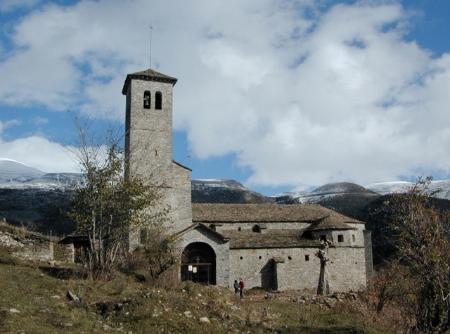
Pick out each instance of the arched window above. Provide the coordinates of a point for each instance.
(147, 99)
(158, 100)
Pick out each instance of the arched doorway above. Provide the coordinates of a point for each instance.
(198, 263)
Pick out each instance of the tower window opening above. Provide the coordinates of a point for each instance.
(147, 99)
(158, 100)
(353, 238)
(143, 238)
(256, 229)
(340, 238)
(306, 257)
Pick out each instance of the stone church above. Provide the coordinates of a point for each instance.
(267, 245)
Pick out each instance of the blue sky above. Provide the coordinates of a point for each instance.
(279, 95)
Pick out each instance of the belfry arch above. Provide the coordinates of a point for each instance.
(198, 263)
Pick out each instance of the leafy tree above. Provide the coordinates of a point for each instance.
(108, 206)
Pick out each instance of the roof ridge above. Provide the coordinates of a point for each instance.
(147, 75)
(267, 212)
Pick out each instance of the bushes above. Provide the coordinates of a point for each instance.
(7, 258)
(418, 280)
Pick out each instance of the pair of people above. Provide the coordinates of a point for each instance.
(239, 287)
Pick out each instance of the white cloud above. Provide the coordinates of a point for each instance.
(9, 5)
(40, 153)
(40, 120)
(302, 99)
(8, 124)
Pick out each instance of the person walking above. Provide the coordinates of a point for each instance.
(241, 288)
(236, 287)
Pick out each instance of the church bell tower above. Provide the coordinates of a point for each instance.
(148, 143)
(148, 125)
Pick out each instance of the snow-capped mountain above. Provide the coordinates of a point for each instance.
(200, 184)
(323, 193)
(224, 191)
(13, 171)
(438, 188)
(29, 197)
(16, 175)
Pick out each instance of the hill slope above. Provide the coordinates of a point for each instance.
(33, 299)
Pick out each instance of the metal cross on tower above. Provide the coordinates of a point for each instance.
(151, 32)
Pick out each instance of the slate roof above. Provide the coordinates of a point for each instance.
(216, 234)
(328, 223)
(275, 238)
(148, 75)
(233, 213)
(181, 165)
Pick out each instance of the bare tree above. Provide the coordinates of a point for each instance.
(391, 284)
(323, 287)
(422, 239)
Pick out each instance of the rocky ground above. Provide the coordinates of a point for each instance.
(40, 298)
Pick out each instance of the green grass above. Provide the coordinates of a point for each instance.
(123, 305)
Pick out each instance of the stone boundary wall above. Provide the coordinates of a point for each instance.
(64, 252)
(25, 244)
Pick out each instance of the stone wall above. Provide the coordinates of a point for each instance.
(368, 253)
(349, 237)
(346, 268)
(25, 244)
(292, 270)
(180, 199)
(150, 130)
(269, 225)
(64, 252)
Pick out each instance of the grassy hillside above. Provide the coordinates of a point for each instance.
(33, 300)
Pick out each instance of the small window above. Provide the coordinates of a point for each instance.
(340, 238)
(323, 237)
(256, 229)
(289, 258)
(158, 100)
(353, 238)
(147, 99)
(306, 257)
(143, 236)
(241, 257)
(260, 257)
(239, 228)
